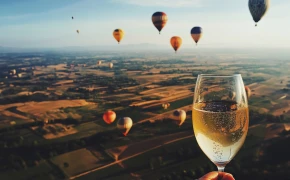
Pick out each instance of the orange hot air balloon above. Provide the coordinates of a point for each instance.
(176, 42)
(248, 91)
(109, 116)
(118, 34)
(124, 125)
(159, 20)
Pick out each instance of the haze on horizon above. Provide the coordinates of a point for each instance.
(226, 23)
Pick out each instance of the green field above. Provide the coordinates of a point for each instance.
(43, 171)
(77, 162)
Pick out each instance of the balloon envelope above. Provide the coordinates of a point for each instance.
(258, 8)
(180, 116)
(196, 33)
(124, 125)
(109, 116)
(248, 91)
(159, 19)
(176, 42)
(118, 34)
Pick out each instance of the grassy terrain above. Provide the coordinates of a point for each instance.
(77, 162)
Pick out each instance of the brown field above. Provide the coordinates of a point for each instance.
(115, 152)
(54, 131)
(151, 143)
(167, 94)
(64, 82)
(155, 78)
(274, 130)
(39, 108)
(283, 109)
(11, 114)
(58, 67)
(79, 161)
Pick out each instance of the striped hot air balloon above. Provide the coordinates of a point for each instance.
(175, 42)
(118, 34)
(258, 9)
(159, 20)
(196, 33)
(124, 125)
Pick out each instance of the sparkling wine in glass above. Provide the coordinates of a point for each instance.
(220, 116)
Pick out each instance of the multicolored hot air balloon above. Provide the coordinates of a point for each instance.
(118, 34)
(159, 20)
(196, 33)
(111, 65)
(179, 116)
(248, 91)
(175, 42)
(109, 116)
(124, 125)
(258, 9)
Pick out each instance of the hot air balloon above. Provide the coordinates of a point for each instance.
(13, 71)
(248, 91)
(258, 9)
(159, 20)
(232, 95)
(111, 65)
(109, 116)
(72, 17)
(99, 62)
(78, 31)
(118, 34)
(165, 106)
(179, 116)
(196, 34)
(124, 125)
(176, 42)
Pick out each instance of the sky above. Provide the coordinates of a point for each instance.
(225, 23)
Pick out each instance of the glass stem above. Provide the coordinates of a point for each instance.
(221, 168)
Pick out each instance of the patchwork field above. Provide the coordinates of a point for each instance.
(76, 162)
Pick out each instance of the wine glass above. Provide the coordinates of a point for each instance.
(220, 116)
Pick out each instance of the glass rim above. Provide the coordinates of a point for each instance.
(219, 75)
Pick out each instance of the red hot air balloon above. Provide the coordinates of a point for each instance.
(159, 20)
(109, 116)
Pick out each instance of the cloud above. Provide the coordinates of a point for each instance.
(164, 3)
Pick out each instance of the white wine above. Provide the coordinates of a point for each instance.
(220, 128)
